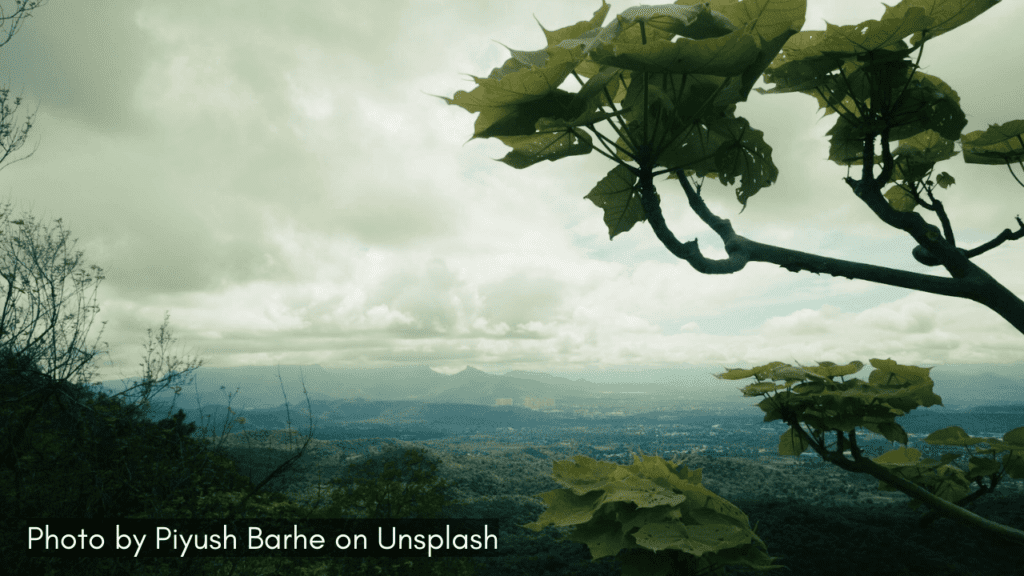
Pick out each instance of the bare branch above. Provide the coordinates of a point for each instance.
(1003, 237)
(11, 139)
(22, 10)
(51, 328)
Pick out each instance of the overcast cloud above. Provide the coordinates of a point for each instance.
(277, 177)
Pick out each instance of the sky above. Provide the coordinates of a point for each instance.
(283, 184)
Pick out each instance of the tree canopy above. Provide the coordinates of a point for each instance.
(667, 80)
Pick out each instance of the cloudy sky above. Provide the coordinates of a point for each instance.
(279, 179)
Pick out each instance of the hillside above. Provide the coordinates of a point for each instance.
(806, 515)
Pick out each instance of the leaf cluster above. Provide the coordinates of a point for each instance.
(811, 396)
(669, 76)
(655, 516)
(869, 76)
(667, 79)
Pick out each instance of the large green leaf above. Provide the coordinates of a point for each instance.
(943, 15)
(744, 154)
(676, 70)
(771, 23)
(873, 35)
(928, 104)
(515, 96)
(524, 90)
(808, 59)
(528, 150)
(846, 143)
(900, 199)
(608, 79)
(807, 62)
(577, 29)
(664, 22)
(728, 55)
(998, 144)
(727, 148)
(800, 66)
(929, 108)
(928, 147)
(917, 155)
(616, 195)
(694, 151)
(812, 54)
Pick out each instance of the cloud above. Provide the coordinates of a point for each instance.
(284, 184)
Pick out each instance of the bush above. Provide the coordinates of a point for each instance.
(71, 452)
(396, 483)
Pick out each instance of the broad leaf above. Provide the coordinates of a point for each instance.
(846, 145)
(952, 436)
(736, 150)
(830, 370)
(724, 56)
(928, 104)
(874, 54)
(945, 180)
(771, 23)
(943, 15)
(998, 144)
(577, 29)
(610, 80)
(694, 152)
(528, 150)
(677, 72)
(916, 156)
(791, 443)
(515, 96)
(800, 66)
(616, 195)
(873, 35)
(900, 199)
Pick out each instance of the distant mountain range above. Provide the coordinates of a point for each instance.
(260, 386)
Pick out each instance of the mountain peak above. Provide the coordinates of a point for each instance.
(470, 371)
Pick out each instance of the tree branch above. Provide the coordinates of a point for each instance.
(14, 20)
(939, 209)
(862, 465)
(742, 250)
(1005, 235)
(925, 234)
(690, 251)
(977, 285)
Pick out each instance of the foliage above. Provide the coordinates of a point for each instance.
(72, 452)
(39, 319)
(678, 97)
(656, 518)
(69, 450)
(667, 80)
(809, 395)
(396, 483)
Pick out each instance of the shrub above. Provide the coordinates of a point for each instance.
(68, 451)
